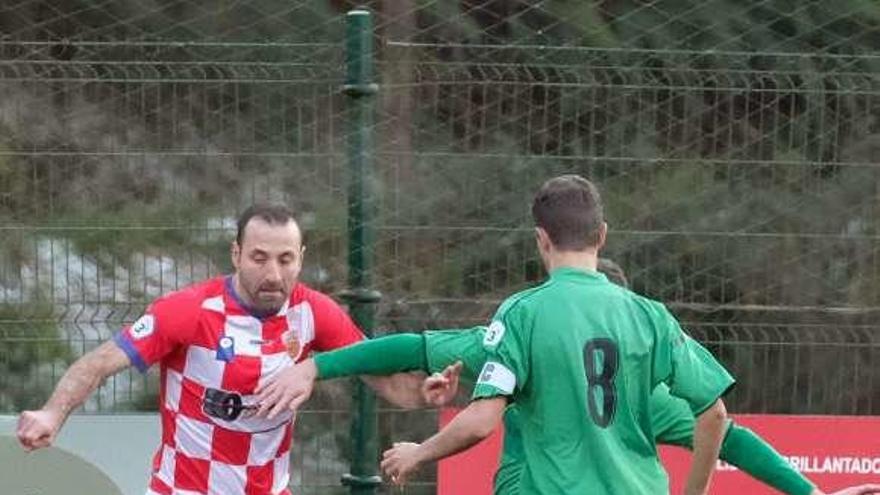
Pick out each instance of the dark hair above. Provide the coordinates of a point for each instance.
(569, 209)
(273, 214)
(613, 271)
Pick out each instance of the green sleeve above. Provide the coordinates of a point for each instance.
(507, 365)
(691, 372)
(747, 451)
(382, 356)
(672, 420)
(443, 348)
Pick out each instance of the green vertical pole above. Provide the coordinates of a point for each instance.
(360, 91)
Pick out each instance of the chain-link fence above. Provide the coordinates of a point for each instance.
(743, 197)
(734, 142)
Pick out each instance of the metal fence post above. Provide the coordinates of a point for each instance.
(360, 91)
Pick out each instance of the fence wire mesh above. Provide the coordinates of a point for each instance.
(735, 143)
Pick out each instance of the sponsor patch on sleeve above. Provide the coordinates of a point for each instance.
(498, 376)
(143, 327)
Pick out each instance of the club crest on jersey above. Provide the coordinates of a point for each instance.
(143, 327)
(226, 349)
(291, 343)
(494, 334)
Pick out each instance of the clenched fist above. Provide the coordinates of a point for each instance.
(37, 429)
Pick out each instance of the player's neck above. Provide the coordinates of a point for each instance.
(582, 260)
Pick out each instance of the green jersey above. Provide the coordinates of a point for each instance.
(579, 357)
(444, 347)
(671, 418)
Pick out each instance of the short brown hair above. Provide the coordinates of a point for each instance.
(569, 209)
(273, 214)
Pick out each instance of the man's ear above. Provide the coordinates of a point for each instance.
(603, 234)
(543, 240)
(235, 254)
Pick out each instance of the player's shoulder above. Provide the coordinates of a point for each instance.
(654, 313)
(191, 298)
(651, 307)
(643, 303)
(523, 299)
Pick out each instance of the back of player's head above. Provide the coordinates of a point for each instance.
(271, 213)
(570, 210)
(613, 271)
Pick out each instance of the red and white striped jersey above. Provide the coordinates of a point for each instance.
(213, 353)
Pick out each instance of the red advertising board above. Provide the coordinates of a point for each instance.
(832, 451)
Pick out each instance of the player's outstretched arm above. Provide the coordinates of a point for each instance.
(750, 453)
(400, 352)
(474, 423)
(416, 390)
(37, 429)
(401, 389)
(708, 435)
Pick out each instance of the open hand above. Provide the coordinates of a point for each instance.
(400, 461)
(287, 390)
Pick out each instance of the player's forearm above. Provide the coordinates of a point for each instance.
(401, 389)
(381, 356)
(750, 453)
(469, 427)
(708, 435)
(83, 378)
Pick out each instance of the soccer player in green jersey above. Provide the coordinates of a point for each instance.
(437, 351)
(579, 356)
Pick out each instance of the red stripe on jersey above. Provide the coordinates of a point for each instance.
(169, 429)
(157, 460)
(159, 487)
(286, 440)
(273, 328)
(259, 479)
(230, 447)
(176, 360)
(273, 347)
(191, 474)
(242, 374)
(191, 400)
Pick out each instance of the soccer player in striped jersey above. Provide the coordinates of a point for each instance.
(215, 342)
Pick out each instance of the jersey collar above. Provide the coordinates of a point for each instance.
(577, 274)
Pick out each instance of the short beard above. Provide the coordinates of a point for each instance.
(267, 308)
